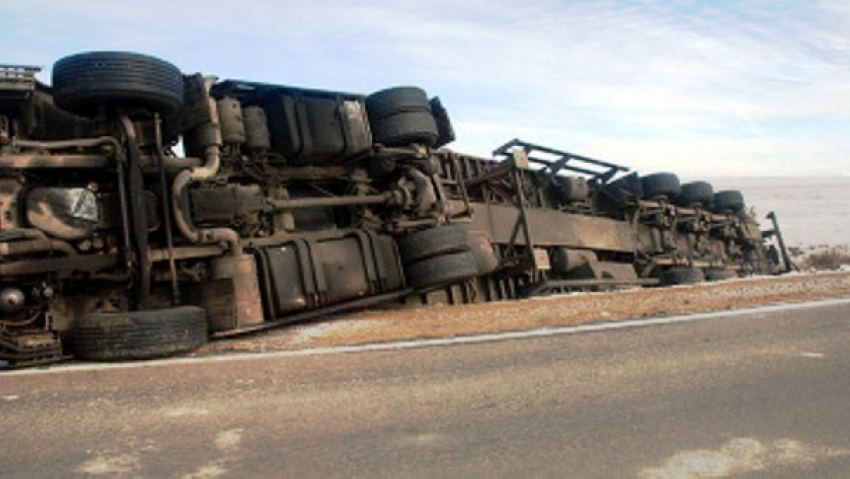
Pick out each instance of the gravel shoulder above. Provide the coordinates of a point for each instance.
(405, 323)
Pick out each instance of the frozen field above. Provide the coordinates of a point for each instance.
(811, 211)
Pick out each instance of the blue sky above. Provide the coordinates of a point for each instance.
(711, 88)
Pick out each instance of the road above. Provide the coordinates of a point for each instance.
(764, 394)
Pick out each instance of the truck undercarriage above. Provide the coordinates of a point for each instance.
(289, 203)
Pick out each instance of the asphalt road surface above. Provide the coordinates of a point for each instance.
(766, 394)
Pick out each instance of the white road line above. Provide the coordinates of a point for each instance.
(459, 340)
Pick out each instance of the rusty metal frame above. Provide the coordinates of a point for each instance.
(515, 160)
(596, 170)
(512, 171)
(516, 152)
(17, 81)
(783, 250)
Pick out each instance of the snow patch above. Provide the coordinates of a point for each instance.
(110, 466)
(207, 472)
(229, 440)
(187, 411)
(739, 456)
(305, 333)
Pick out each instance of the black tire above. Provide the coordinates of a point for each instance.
(444, 123)
(729, 200)
(660, 185)
(432, 242)
(682, 275)
(719, 274)
(442, 270)
(85, 82)
(391, 101)
(405, 128)
(623, 191)
(139, 334)
(696, 193)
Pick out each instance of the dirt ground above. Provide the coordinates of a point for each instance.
(580, 308)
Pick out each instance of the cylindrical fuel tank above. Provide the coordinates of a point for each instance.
(232, 121)
(241, 270)
(256, 129)
(565, 260)
(199, 139)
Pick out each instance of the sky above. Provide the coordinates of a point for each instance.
(702, 88)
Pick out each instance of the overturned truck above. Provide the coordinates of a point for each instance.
(292, 203)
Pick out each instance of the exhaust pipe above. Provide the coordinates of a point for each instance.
(37, 242)
(212, 163)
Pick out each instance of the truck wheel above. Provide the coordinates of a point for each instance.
(433, 242)
(84, 82)
(696, 193)
(405, 128)
(442, 270)
(728, 200)
(400, 116)
(396, 100)
(139, 334)
(681, 275)
(624, 190)
(660, 184)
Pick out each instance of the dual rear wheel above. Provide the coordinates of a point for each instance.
(695, 193)
(400, 116)
(437, 256)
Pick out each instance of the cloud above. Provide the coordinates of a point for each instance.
(727, 79)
